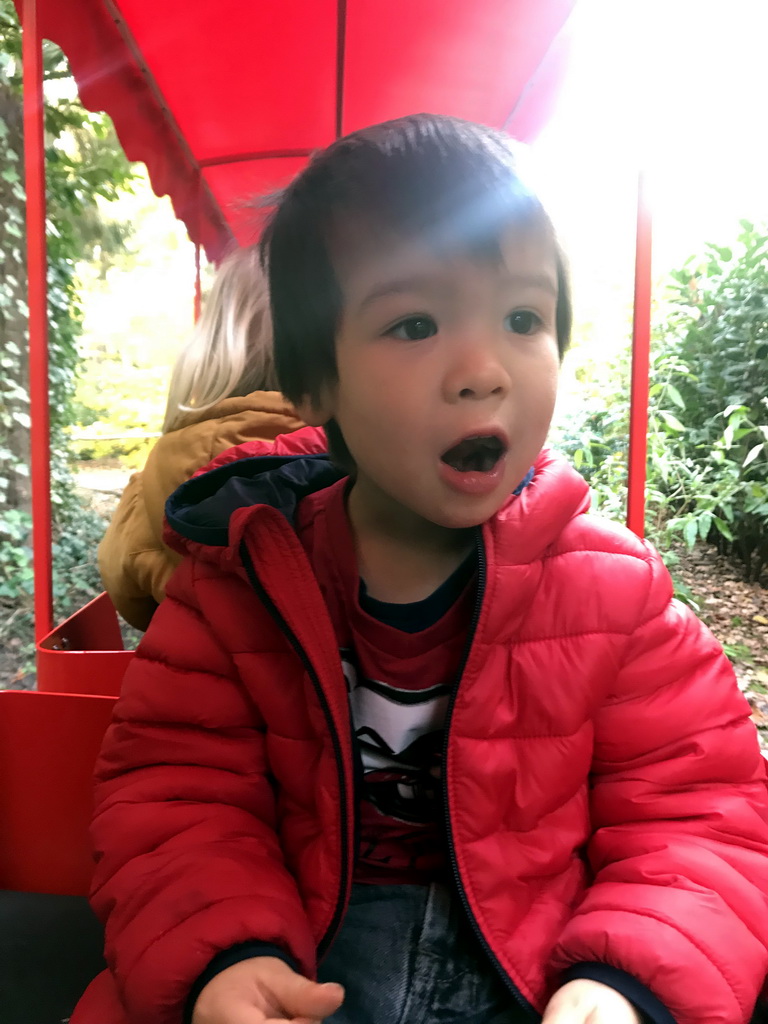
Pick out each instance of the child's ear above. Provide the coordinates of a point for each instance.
(315, 410)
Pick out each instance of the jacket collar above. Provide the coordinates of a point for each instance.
(202, 508)
(209, 513)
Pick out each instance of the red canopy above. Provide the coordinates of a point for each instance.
(224, 99)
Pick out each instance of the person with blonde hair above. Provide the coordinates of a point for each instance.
(222, 393)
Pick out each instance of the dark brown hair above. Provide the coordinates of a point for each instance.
(454, 182)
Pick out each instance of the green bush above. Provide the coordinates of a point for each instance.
(77, 531)
(708, 411)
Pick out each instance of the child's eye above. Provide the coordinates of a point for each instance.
(522, 321)
(414, 328)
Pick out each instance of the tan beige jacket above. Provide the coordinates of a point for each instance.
(134, 563)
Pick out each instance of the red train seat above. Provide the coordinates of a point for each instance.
(48, 746)
(85, 653)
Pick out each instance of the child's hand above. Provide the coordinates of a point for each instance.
(588, 1002)
(264, 988)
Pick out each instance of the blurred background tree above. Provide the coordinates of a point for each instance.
(708, 415)
(84, 165)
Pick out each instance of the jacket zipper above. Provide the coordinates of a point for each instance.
(295, 643)
(481, 582)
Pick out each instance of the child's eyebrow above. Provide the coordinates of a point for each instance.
(541, 281)
(406, 284)
(426, 283)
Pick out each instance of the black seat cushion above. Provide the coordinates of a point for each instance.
(50, 950)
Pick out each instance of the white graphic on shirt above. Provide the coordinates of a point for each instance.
(400, 737)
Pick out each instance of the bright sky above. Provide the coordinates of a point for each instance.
(681, 85)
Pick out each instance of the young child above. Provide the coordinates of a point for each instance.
(222, 393)
(410, 714)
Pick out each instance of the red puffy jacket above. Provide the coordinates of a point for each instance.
(605, 791)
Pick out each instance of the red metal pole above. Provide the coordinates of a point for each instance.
(37, 265)
(641, 349)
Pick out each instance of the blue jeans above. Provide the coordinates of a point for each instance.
(407, 955)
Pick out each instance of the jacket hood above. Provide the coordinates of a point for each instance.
(200, 513)
(270, 403)
(201, 509)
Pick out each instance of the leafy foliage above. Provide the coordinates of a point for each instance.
(75, 571)
(708, 412)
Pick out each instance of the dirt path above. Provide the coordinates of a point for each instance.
(737, 613)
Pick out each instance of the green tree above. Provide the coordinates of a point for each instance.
(84, 163)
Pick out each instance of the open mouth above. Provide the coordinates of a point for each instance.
(475, 454)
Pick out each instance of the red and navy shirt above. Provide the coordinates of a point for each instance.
(400, 663)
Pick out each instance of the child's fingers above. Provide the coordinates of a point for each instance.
(284, 1020)
(265, 990)
(302, 998)
(589, 1002)
(562, 1015)
(244, 1014)
(572, 1015)
(561, 1010)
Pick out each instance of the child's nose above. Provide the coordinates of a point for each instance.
(476, 374)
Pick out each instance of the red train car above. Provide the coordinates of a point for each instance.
(220, 99)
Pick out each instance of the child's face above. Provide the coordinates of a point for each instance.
(437, 351)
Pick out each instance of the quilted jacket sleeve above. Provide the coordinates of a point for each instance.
(680, 837)
(134, 565)
(188, 860)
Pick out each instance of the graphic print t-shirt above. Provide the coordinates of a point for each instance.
(399, 684)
